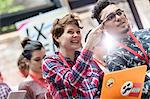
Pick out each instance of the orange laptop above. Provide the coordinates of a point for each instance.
(124, 84)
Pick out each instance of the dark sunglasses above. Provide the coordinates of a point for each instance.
(112, 16)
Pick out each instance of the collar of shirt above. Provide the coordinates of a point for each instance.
(69, 61)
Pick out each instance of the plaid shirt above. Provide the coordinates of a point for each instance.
(4, 91)
(121, 58)
(83, 76)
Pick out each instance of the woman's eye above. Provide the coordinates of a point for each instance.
(37, 60)
(78, 32)
(70, 32)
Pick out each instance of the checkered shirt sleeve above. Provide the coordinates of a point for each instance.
(4, 90)
(63, 80)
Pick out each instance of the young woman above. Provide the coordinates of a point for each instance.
(36, 86)
(72, 74)
(22, 66)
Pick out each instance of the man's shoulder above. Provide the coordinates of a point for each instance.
(142, 32)
(4, 85)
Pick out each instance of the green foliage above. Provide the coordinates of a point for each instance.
(7, 6)
(6, 29)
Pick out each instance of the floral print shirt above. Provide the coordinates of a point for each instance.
(120, 58)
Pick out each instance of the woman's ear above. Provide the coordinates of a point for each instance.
(56, 38)
(27, 62)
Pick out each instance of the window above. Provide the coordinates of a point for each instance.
(12, 11)
(80, 3)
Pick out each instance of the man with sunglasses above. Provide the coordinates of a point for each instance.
(131, 49)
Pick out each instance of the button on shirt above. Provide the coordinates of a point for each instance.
(83, 76)
(120, 58)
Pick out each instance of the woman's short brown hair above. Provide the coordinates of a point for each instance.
(59, 24)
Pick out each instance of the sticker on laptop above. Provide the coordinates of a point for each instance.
(126, 88)
(110, 82)
(131, 89)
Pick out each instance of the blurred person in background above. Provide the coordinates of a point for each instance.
(131, 48)
(22, 66)
(1, 78)
(72, 74)
(34, 84)
(4, 88)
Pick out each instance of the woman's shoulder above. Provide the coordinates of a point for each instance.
(28, 82)
(54, 56)
(51, 58)
(28, 86)
(24, 84)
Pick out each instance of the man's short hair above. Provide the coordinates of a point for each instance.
(100, 5)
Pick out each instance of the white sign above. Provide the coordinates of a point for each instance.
(38, 28)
